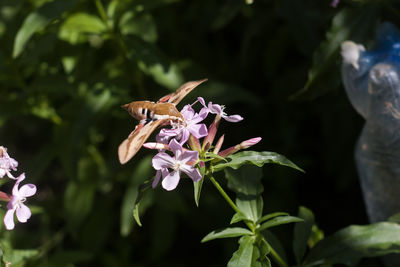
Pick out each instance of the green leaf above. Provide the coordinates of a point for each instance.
(349, 245)
(37, 21)
(356, 24)
(237, 217)
(226, 233)
(244, 255)
(246, 183)
(395, 218)
(271, 215)
(197, 186)
(142, 25)
(254, 158)
(278, 221)
(142, 171)
(142, 189)
(152, 62)
(275, 243)
(78, 201)
(16, 256)
(76, 27)
(302, 232)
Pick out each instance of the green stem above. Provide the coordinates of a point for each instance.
(251, 226)
(102, 12)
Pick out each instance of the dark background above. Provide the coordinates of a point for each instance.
(63, 123)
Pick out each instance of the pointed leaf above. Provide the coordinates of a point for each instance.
(237, 217)
(37, 21)
(355, 24)
(302, 232)
(76, 27)
(278, 221)
(246, 183)
(349, 245)
(243, 257)
(255, 158)
(142, 189)
(197, 186)
(226, 233)
(271, 215)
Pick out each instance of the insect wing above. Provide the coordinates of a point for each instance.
(182, 91)
(131, 145)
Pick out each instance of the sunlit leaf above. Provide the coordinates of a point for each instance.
(246, 183)
(254, 158)
(278, 221)
(244, 255)
(226, 233)
(77, 27)
(37, 21)
(271, 215)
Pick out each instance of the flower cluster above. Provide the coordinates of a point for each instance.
(183, 140)
(19, 194)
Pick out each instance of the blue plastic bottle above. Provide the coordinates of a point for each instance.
(372, 82)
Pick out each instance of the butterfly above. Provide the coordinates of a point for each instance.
(150, 116)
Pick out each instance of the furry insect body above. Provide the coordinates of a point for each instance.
(152, 115)
(149, 111)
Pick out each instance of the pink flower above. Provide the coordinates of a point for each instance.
(182, 161)
(16, 204)
(219, 110)
(7, 163)
(243, 145)
(334, 3)
(191, 126)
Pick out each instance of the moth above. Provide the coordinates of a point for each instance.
(150, 116)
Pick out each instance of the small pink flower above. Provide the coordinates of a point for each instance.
(7, 163)
(191, 126)
(182, 161)
(16, 204)
(219, 110)
(243, 145)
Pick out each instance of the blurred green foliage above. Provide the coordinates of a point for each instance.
(66, 67)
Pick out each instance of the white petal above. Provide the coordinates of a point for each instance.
(27, 190)
(23, 213)
(9, 219)
(170, 182)
(156, 179)
(162, 160)
(233, 118)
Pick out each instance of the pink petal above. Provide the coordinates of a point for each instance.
(156, 179)
(23, 213)
(198, 130)
(201, 100)
(170, 182)
(27, 190)
(233, 118)
(19, 180)
(184, 136)
(9, 219)
(162, 160)
(192, 172)
(215, 108)
(189, 156)
(176, 147)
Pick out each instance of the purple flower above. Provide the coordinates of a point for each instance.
(182, 161)
(219, 110)
(7, 163)
(16, 204)
(190, 126)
